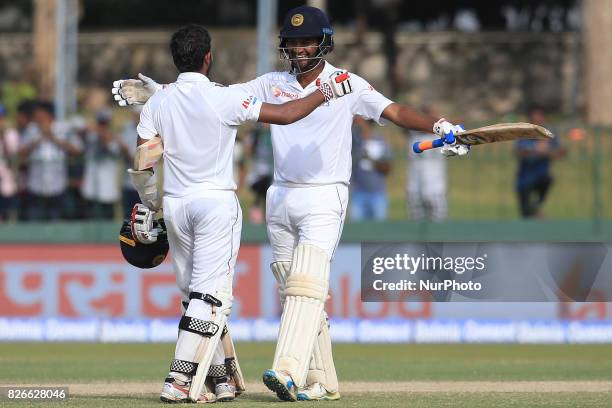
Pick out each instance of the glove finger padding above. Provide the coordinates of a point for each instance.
(142, 224)
(134, 91)
(337, 86)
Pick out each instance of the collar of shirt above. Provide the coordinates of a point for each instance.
(325, 73)
(192, 77)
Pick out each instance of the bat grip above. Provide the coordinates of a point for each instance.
(420, 147)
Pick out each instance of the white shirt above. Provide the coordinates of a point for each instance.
(197, 121)
(100, 181)
(47, 171)
(316, 149)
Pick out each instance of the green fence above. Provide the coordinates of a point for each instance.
(474, 230)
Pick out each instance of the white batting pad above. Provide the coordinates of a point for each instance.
(281, 271)
(207, 348)
(306, 292)
(322, 369)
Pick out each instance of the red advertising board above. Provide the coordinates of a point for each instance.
(94, 280)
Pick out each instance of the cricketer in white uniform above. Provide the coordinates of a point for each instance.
(197, 120)
(306, 205)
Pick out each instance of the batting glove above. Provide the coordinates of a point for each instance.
(134, 91)
(142, 225)
(446, 130)
(338, 85)
(454, 148)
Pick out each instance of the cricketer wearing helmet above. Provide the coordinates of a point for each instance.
(306, 205)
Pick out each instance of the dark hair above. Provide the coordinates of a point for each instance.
(46, 106)
(26, 107)
(189, 45)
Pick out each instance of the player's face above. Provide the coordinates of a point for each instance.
(301, 50)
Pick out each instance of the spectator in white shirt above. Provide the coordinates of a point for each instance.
(101, 181)
(44, 147)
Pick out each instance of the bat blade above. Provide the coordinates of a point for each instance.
(503, 132)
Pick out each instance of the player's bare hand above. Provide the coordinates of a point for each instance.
(338, 85)
(142, 224)
(134, 91)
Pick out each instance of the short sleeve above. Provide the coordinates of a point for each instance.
(368, 102)
(256, 87)
(146, 126)
(236, 107)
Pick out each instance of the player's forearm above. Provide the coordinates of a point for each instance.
(291, 111)
(406, 117)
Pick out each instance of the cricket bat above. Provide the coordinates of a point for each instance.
(501, 132)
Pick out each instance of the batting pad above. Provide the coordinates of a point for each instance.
(208, 346)
(322, 369)
(281, 270)
(231, 361)
(306, 292)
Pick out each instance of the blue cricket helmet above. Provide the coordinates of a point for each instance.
(308, 22)
(305, 22)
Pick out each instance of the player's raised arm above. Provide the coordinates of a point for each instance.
(409, 118)
(338, 85)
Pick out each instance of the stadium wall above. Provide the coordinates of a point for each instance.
(493, 73)
(83, 291)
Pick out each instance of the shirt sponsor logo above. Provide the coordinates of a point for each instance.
(248, 101)
(280, 93)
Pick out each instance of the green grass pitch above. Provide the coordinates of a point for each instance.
(103, 365)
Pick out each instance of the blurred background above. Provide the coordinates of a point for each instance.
(64, 148)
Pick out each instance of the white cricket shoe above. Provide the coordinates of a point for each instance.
(225, 392)
(316, 392)
(281, 383)
(177, 390)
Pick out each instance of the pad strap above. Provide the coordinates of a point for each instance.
(221, 370)
(198, 326)
(208, 298)
(182, 366)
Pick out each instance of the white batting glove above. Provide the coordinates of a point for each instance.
(142, 225)
(455, 148)
(134, 91)
(444, 128)
(338, 85)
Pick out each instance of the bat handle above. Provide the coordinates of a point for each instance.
(420, 147)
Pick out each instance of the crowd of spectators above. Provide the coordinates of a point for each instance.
(75, 169)
(63, 170)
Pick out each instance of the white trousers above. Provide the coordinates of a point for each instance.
(204, 236)
(305, 215)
